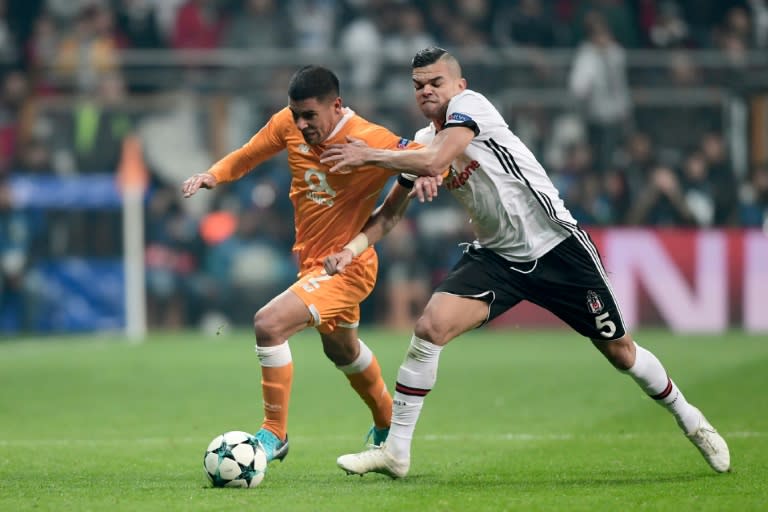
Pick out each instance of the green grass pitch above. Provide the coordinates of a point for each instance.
(518, 420)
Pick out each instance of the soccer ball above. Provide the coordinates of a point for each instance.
(235, 459)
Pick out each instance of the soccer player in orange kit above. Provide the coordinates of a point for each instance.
(329, 210)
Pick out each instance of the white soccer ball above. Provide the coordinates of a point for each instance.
(235, 459)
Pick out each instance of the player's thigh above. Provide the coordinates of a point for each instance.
(446, 316)
(475, 291)
(571, 282)
(281, 317)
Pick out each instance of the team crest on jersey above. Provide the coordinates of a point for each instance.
(457, 116)
(594, 302)
(403, 143)
(304, 148)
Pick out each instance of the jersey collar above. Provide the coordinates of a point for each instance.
(348, 114)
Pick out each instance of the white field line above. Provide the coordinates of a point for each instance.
(508, 437)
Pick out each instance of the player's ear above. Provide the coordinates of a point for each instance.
(462, 83)
(338, 104)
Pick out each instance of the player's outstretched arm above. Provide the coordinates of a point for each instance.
(431, 160)
(198, 181)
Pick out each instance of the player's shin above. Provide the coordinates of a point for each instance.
(276, 380)
(415, 379)
(364, 375)
(651, 376)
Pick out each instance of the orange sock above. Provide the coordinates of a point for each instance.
(276, 390)
(371, 387)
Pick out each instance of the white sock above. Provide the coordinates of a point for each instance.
(415, 379)
(279, 355)
(362, 362)
(651, 376)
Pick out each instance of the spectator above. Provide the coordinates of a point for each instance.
(579, 187)
(524, 24)
(18, 231)
(698, 189)
(682, 70)
(661, 201)
(93, 132)
(759, 10)
(636, 158)
(439, 18)
(616, 197)
(13, 95)
(90, 52)
(170, 260)
(360, 41)
(669, 29)
(314, 24)
(722, 179)
(405, 37)
(9, 48)
(199, 25)
(408, 37)
(737, 23)
(137, 22)
(598, 80)
(754, 203)
(12, 262)
(41, 52)
(617, 16)
(477, 13)
(260, 26)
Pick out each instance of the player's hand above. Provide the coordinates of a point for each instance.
(425, 187)
(337, 262)
(345, 156)
(196, 182)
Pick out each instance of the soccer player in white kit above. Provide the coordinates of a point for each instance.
(527, 247)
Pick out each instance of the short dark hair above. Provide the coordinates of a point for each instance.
(428, 56)
(313, 82)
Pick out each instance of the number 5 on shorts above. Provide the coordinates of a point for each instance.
(602, 323)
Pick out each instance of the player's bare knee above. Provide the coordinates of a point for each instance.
(267, 329)
(428, 329)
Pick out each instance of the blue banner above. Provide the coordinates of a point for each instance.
(68, 295)
(81, 192)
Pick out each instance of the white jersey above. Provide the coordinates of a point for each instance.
(514, 208)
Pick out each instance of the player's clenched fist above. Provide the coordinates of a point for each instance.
(196, 182)
(337, 262)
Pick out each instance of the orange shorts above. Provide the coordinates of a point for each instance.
(334, 301)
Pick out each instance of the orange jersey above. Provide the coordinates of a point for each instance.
(329, 209)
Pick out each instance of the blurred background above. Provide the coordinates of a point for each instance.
(651, 117)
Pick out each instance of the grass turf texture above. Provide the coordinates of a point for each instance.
(518, 421)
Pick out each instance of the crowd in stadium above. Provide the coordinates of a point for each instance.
(613, 164)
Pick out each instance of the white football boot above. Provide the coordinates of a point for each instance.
(374, 460)
(711, 445)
